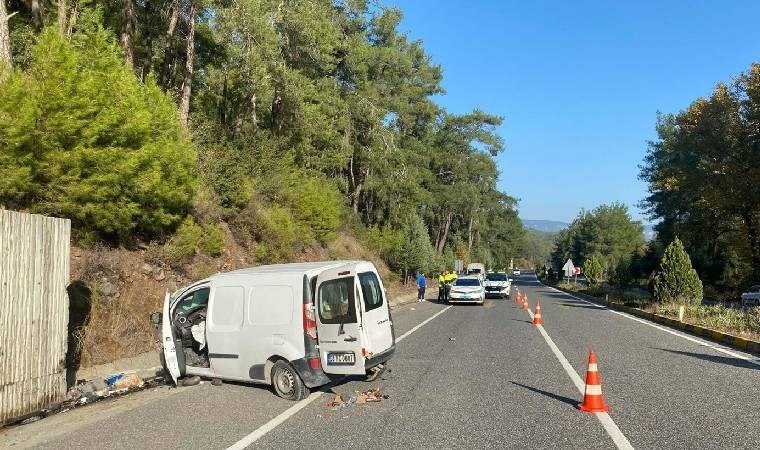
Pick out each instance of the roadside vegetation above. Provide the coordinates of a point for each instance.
(186, 138)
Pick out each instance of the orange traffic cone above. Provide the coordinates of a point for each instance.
(537, 320)
(525, 303)
(518, 298)
(593, 401)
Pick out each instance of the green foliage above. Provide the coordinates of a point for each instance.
(608, 231)
(81, 138)
(191, 239)
(416, 252)
(277, 234)
(593, 270)
(702, 173)
(676, 280)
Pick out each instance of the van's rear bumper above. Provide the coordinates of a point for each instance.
(380, 358)
(311, 377)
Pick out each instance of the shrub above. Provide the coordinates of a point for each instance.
(82, 138)
(317, 205)
(191, 239)
(592, 270)
(676, 280)
(277, 235)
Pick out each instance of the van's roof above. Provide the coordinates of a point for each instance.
(303, 267)
(292, 271)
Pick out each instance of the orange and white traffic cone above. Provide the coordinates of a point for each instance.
(518, 298)
(593, 401)
(537, 320)
(525, 303)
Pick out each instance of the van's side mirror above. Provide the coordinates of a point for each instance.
(156, 318)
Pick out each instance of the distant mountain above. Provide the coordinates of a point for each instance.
(547, 226)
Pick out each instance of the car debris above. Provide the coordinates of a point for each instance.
(358, 398)
(86, 392)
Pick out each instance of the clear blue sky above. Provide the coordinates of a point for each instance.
(579, 83)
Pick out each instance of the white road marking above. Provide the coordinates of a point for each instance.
(669, 331)
(609, 425)
(290, 412)
(403, 336)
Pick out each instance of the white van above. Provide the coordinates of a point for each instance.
(477, 269)
(294, 326)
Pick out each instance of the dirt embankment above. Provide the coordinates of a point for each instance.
(114, 291)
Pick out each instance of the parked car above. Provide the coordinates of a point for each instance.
(497, 284)
(476, 269)
(516, 272)
(752, 296)
(467, 289)
(294, 326)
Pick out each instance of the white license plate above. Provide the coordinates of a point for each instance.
(341, 359)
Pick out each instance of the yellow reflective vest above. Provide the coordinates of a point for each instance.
(448, 279)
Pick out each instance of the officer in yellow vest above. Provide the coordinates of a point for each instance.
(442, 286)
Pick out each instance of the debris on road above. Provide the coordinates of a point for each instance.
(191, 381)
(358, 398)
(452, 339)
(216, 382)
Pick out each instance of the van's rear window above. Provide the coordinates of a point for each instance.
(371, 291)
(336, 301)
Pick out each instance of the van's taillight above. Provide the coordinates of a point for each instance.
(309, 321)
(315, 363)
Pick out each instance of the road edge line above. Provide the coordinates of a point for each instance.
(695, 340)
(290, 412)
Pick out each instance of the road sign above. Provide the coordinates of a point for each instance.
(569, 268)
(458, 266)
(577, 271)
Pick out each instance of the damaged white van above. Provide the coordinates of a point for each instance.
(294, 326)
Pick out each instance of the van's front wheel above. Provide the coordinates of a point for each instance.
(287, 383)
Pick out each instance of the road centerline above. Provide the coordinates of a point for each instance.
(608, 424)
(293, 410)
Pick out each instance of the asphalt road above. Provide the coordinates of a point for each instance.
(471, 377)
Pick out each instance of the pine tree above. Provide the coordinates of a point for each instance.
(592, 270)
(677, 281)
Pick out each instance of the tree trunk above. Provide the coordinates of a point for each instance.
(470, 237)
(34, 6)
(63, 12)
(166, 63)
(254, 117)
(6, 58)
(753, 236)
(277, 112)
(443, 234)
(128, 30)
(184, 104)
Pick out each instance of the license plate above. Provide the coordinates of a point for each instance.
(341, 359)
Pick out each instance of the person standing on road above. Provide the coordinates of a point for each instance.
(421, 285)
(442, 285)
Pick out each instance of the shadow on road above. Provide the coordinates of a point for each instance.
(523, 321)
(736, 362)
(568, 400)
(576, 305)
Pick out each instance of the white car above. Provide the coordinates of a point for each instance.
(751, 297)
(497, 284)
(467, 289)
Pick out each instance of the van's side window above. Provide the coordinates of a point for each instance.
(336, 301)
(371, 290)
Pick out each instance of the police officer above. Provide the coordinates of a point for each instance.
(442, 286)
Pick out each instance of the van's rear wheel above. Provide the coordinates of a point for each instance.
(287, 383)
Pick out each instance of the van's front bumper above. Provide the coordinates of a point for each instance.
(380, 358)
